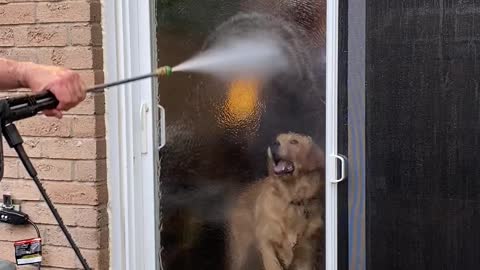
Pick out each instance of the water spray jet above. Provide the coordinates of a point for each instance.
(256, 56)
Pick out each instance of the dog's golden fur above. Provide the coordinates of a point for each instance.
(280, 218)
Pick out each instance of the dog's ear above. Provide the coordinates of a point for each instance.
(315, 159)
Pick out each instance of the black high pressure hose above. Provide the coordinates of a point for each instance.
(14, 109)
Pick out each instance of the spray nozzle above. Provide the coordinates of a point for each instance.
(164, 71)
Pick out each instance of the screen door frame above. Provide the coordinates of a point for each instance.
(132, 140)
(336, 162)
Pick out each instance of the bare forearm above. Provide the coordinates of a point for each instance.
(65, 84)
(11, 74)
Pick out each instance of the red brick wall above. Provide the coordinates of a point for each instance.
(68, 153)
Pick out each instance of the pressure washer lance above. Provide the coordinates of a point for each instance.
(18, 108)
(162, 71)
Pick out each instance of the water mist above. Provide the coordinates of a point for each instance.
(255, 56)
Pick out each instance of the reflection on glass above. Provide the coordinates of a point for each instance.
(242, 98)
(220, 132)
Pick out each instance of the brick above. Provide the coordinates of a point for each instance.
(93, 104)
(31, 146)
(72, 57)
(20, 54)
(13, 233)
(7, 37)
(6, 251)
(41, 35)
(19, 1)
(91, 77)
(25, 55)
(71, 11)
(67, 193)
(73, 148)
(90, 170)
(67, 258)
(20, 189)
(50, 169)
(76, 193)
(96, 11)
(72, 215)
(92, 238)
(86, 34)
(11, 167)
(102, 193)
(17, 13)
(88, 126)
(45, 126)
(31, 267)
(5, 53)
(61, 148)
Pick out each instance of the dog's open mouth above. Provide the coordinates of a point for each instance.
(280, 166)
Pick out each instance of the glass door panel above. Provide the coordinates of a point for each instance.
(218, 133)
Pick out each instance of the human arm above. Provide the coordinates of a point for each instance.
(65, 84)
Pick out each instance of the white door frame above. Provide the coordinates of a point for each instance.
(331, 152)
(131, 135)
(130, 114)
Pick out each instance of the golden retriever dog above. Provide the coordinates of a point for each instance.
(280, 218)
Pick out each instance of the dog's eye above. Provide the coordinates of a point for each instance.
(293, 141)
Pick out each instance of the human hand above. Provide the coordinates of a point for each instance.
(66, 85)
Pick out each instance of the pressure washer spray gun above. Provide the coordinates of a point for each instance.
(18, 108)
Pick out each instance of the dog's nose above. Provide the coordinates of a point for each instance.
(275, 147)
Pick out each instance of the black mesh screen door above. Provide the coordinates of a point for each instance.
(414, 118)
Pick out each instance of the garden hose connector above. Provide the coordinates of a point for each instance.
(164, 71)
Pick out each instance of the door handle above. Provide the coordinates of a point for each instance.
(163, 138)
(343, 164)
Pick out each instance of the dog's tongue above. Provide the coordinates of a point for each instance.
(283, 167)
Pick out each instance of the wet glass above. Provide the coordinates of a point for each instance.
(218, 131)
